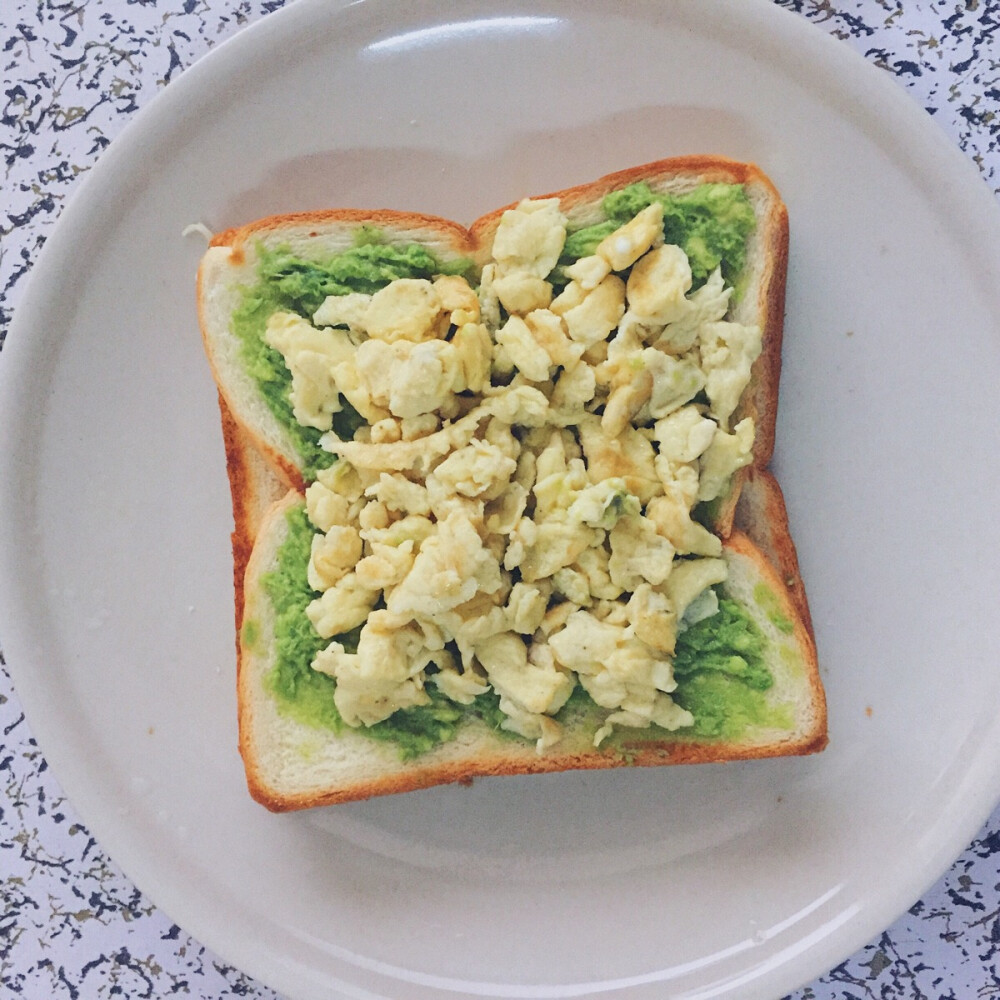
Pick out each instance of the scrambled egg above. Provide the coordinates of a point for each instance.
(517, 516)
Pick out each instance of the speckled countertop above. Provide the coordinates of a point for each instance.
(73, 72)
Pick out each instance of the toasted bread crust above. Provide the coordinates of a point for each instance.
(311, 224)
(254, 489)
(260, 473)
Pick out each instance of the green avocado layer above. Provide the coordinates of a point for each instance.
(307, 695)
(710, 224)
(719, 665)
(722, 675)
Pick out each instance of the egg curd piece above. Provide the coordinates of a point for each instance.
(410, 379)
(473, 349)
(405, 309)
(728, 350)
(451, 567)
(589, 272)
(726, 454)
(556, 544)
(342, 607)
(524, 352)
(456, 296)
(421, 382)
(480, 469)
(526, 606)
(639, 553)
(384, 675)
(344, 310)
(707, 304)
(672, 518)
(530, 689)
(530, 238)
(597, 313)
(622, 248)
(462, 687)
(658, 283)
(324, 507)
(520, 292)
(386, 566)
(549, 333)
(629, 456)
(690, 578)
(602, 504)
(333, 556)
(418, 454)
(684, 435)
(400, 494)
(674, 381)
(652, 619)
(311, 356)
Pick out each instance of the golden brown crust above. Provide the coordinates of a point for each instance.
(241, 491)
(767, 369)
(253, 487)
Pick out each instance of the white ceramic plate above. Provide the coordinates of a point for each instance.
(733, 881)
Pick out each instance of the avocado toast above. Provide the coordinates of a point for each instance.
(524, 520)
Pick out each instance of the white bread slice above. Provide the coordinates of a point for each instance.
(230, 265)
(290, 765)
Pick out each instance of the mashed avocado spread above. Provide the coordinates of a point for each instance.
(710, 224)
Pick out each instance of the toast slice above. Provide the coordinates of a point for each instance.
(292, 765)
(229, 270)
(298, 759)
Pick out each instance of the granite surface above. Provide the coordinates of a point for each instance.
(73, 72)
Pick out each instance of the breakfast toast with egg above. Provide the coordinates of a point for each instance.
(230, 270)
(291, 764)
(735, 662)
